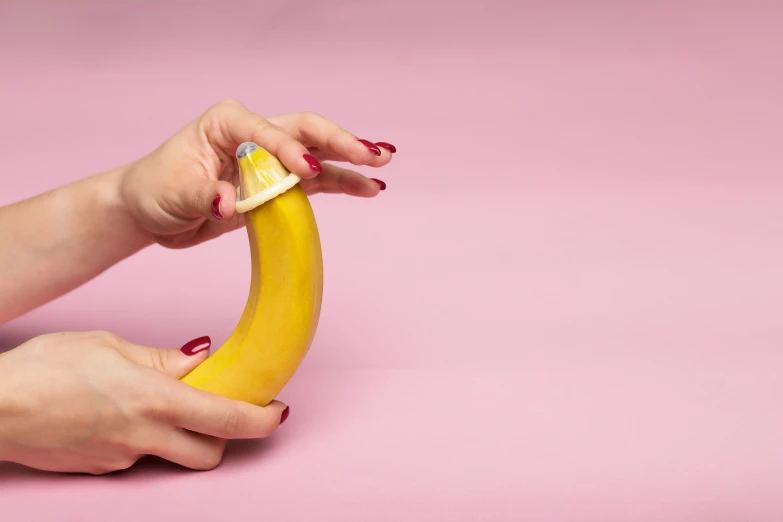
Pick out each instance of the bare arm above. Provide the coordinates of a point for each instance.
(54, 242)
(179, 195)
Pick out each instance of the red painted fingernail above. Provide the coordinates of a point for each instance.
(284, 415)
(314, 163)
(388, 146)
(197, 345)
(370, 145)
(380, 183)
(216, 207)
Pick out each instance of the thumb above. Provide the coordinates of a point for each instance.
(175, 363)
(208, 198)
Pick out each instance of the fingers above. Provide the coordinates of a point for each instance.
(188, 449)
(174, 363)
(337, 180)
(301, 141)
(192, 409)
(210, 199)
(236, 124)
(332, 142)
(218, 416)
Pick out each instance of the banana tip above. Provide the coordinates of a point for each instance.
(245, 149)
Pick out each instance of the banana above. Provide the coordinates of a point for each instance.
(281, 314)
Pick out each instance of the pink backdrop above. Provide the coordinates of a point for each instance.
(567, 305)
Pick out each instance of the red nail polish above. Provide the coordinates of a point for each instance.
(314, 163)
(388, 146)
(197, 345)
(216, 207)
(380, 183)
(370, 145)
(284, 415)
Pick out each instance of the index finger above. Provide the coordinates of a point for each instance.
(230, 124)
(218, 416)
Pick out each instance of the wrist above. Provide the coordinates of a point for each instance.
(113, 203)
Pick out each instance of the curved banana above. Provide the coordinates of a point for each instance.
(281, 315)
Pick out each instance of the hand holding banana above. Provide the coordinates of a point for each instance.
(179, 405)
(95, 403)
(184, 192)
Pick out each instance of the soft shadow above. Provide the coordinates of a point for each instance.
(11, 473)
(15, 475)
(246, 451)
(238, 453)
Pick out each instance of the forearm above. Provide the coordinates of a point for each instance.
(52, 243)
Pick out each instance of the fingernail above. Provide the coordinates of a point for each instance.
(197, 345)
(380, 183)
(314, 163)
(370, 145)
(216, 207)
(284, 415)
(388, 146)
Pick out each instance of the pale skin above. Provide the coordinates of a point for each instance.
(92, 402)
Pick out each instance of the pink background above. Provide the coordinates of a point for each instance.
(566, 306)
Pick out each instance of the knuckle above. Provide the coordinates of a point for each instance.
(149, 403)
(264, 125)
(311, 118)
(107, 338)
(198, 197)
(259, 130)
(232, 422)
(266, 132)
(156, 359)
(212, 458)
(228, 104)
(219, 110)
(110, 466)
(124, 463)
(160, 408)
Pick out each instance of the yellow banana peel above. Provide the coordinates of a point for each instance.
(281, 315)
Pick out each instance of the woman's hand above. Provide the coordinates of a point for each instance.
(184, 192)
(95, 403)
(179, 195)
